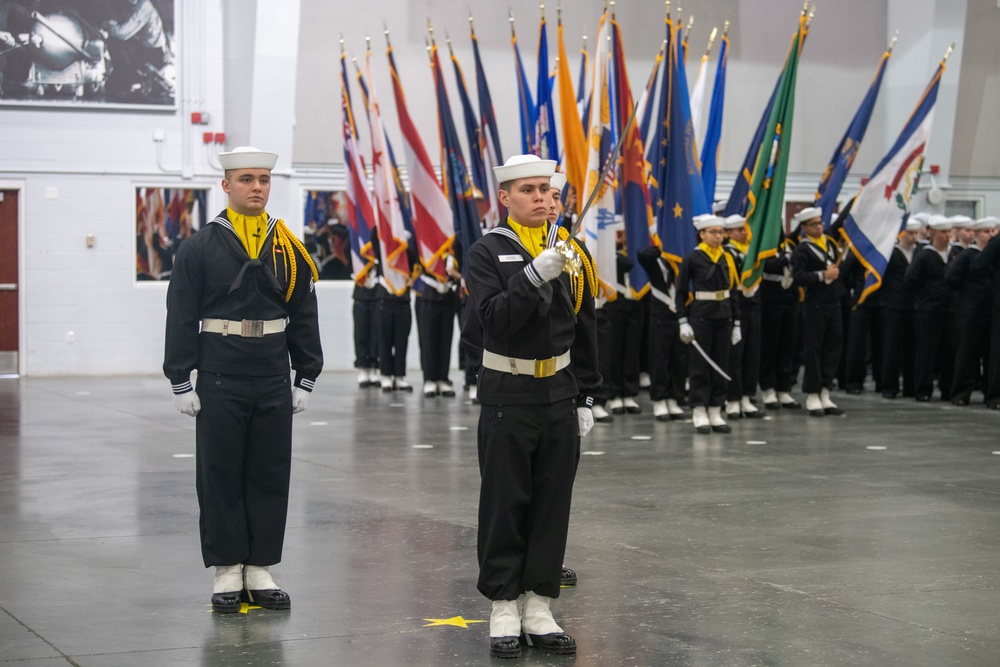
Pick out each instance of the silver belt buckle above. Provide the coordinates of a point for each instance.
(252, 328)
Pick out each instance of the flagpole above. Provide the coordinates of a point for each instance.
(711, 40)
(947, 54)
(892, 43)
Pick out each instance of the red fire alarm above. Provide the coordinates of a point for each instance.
(207, 137)
(935, 169)
(864, 181)
(196, 118)
(220, 137)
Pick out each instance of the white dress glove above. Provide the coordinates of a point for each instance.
(300, 399)
(737, 334)
(584, 421)
(188, 403)
(549, 264)
(687, 333)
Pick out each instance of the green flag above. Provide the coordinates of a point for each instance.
(767, 188)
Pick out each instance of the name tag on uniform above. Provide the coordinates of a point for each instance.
(510, 258)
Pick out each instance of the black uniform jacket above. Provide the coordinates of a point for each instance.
(809, 260)
(661, 276)
(518, 319)
(986, 265)
(926, 282)
(772, 290)
(896, 296)
(214, 277)
(698, 273)
(974, 289)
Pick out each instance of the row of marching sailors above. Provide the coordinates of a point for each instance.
(935, 318)
(796, 318)
(736, 339)
(383, 320)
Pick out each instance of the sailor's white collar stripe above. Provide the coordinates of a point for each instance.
(224, 221)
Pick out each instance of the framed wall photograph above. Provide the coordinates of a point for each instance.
(164, 217)
(326, 234)
(88, 53)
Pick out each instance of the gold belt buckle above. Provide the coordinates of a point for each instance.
(252, 328)
(720, 295)
(545, 368)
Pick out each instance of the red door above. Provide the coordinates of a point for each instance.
(8, 282)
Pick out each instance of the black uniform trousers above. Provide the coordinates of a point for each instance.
(935, 353)
(972, 361)
(366, 337)
(604, 345)
(899, 344)
(435, 330)
(864, 334)
(993, 377)
(528, 456)
(667, 355)
(625, 344)
(823, 336)
(394, 321)
(744, 358)
(707, 387)
(469, 360)
(244, 453)
(779, 329)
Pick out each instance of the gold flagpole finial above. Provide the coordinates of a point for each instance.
(447, 40)
(947, 53)
(711, 40)
(892, 43)
(690, 23)
(612, 3)
(430, 31)
(386, 33)
(368, 43)
(668, 10)
(559, 13)
(725, 29)
(541, 8)
(805, 8)
(342, 51)
(584, 47)
(510, 17)
(472, 27)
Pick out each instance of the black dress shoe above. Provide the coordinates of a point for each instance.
(922, 398)
(226, 603)
(817, 413)
(890, 394)
(793, 405)
(703, 430)
(993, 405)
(505, 647)
(271, 598)
(448, 391)
(734, 415)
(676, 417)
(960, 400)
(854, 391)
(555, 642)
(723, 428)
(568, 577)
(773, 406)
(833, 411)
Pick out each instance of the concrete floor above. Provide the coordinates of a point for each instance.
(865, 540)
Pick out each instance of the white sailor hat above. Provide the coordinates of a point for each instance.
(247, 157)
(923, 217)
(558, 181)
(961, 221)
(735, 221)
(524, 166)
(989, 222)
(707, 220)
(808, 213)
(719, 206)
(940, 223)
(913, 224)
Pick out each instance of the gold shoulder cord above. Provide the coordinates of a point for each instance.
(588, 269)
(290, 243)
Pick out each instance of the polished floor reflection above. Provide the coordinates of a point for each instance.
(870, 539)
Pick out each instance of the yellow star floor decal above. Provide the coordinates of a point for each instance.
(244, 608)
(457, 621)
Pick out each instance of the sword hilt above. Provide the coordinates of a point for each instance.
(574, 264)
